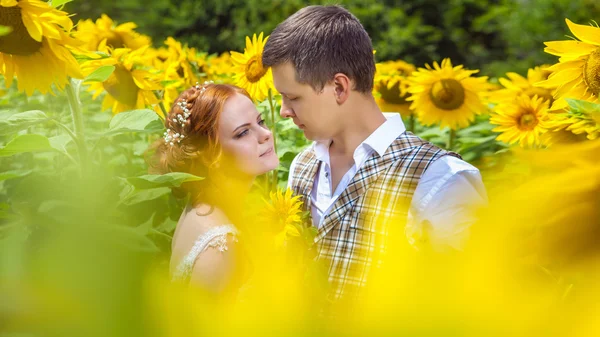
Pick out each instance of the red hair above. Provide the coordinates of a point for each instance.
(199, 150)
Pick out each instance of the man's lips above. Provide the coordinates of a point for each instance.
(301, 126)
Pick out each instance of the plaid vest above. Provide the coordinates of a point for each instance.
(355, 230)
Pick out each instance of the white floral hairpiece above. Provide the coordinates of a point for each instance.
(172, 137)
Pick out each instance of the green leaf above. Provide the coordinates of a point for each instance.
(173, 179)
(56, 3)
(581, 106)
(21, 121)
(13, 174)
(26, 143)
(145, 195)
(60, 142)
(133, 121)
(145, 228)
(100, 75)
(484, 127)
(167, 83)
(5, 30)
(130, 238)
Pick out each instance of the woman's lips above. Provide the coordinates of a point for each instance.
(268, 152)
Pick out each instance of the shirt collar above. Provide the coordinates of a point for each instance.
(378, 141)
(385, 134)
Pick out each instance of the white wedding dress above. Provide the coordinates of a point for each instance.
(215, 237)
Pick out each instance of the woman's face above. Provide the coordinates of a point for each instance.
(246, 142)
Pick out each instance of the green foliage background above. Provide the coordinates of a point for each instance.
(495, 36)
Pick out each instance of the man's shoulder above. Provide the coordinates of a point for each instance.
(407, 143)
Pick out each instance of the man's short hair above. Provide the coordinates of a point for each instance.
(321, 41)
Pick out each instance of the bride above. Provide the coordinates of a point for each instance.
(213, 131)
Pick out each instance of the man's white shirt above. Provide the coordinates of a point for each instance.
(443, 204)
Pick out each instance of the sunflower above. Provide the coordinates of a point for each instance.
(105, 31)
(131, 84)
(249, 71)
(390, 89)
(282, 213)
(283, 209)
(577, 75)
(446, 95)
(516, 84)
(38, 49)
(219, 66)
(522, 120)
(581, 119)
(180, 67)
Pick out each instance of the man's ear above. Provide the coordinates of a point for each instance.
(342, 86)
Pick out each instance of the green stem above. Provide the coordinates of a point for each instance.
(161, 104)
(411, 123)
(67, 130)
(272, 106)
(73, 97)
(451, 139)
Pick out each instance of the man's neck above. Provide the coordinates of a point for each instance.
(357, 128)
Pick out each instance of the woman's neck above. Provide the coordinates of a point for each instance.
(229, 195)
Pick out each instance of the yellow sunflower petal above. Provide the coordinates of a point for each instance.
(585, 33)
(572, 48)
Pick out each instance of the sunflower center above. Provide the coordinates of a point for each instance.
(18, 41)
(391, 95)
(447, 94)
(120, 86)
(254, 69)
(591, 72)
(115, 41)
(527, 121)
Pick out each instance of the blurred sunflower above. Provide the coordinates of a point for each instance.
(577, 75)
(581, 119)
(180, 67)
(181, 61)
(282, 208)
(38, 49)
(132, 83)
(446, 95)
(521, 120)
(516, 84)
(282, 213)
(219, 66)
(390, 86)
(249, 71)
(105, 31)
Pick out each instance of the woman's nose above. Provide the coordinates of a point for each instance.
(265, 135)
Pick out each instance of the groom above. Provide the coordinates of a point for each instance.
(363, 168)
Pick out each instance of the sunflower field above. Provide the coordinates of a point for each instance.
(85, 231)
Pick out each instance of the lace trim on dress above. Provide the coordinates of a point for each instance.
(215, 237)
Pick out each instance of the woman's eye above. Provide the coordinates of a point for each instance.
(241, 134)
(261, 122)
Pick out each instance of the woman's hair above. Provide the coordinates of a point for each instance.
(199, 150)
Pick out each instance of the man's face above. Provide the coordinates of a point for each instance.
(312, 112)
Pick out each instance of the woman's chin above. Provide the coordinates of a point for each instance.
(271, 165)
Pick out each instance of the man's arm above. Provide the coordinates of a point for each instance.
(444, 205)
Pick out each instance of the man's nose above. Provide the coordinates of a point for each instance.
(286, 112)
